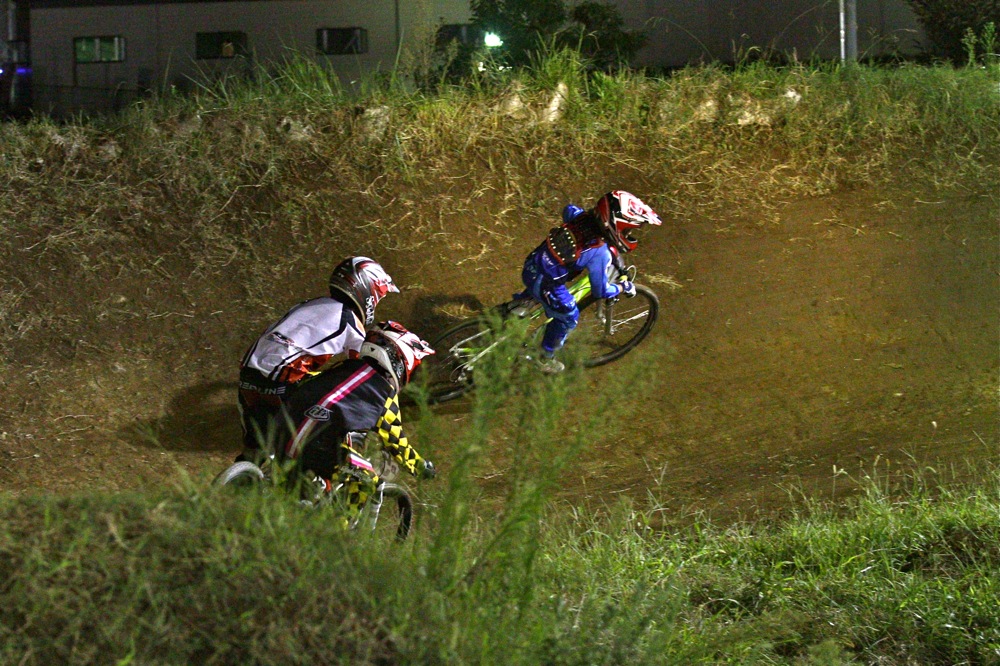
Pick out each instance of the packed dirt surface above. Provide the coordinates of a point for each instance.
(841, 336)
(849, 334)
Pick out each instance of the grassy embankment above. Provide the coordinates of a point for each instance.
(186, 186)
(899, 576)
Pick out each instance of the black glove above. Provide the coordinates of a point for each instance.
(428, 472)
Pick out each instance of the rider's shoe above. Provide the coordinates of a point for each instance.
(549, 365)
(314, 489)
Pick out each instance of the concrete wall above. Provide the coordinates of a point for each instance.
(160, 42)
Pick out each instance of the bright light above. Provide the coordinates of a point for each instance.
(493, 40)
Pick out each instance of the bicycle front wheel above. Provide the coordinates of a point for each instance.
(400, 510)
(449, 371)
(243, 474)
(609, 330)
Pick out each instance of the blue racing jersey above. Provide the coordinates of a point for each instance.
(596, 260)
(595, 256)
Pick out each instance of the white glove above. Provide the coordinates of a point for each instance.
(628, 288)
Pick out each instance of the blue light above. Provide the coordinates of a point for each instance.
(22, 70)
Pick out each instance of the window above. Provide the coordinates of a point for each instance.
(213, 45)
(342, 41)
(99, 49)
(464, 33)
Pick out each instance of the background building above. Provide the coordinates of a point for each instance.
(682, 32)
(98, 55)
(101, 55)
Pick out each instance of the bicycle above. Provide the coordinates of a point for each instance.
(608, 329)
(249, 475)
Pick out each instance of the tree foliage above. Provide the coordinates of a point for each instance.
(525, 26)
(529, 27)
(947, 22)
(599, 33)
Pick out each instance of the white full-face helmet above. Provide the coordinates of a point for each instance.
(395, 350)
(364, 282)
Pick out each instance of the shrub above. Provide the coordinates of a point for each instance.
(528, 27)
(947, 23)
(600, 35)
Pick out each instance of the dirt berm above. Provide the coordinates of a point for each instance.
(857, 332)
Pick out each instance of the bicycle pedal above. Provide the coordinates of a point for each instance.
(521, 311)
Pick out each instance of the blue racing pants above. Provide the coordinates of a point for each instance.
(559, 305)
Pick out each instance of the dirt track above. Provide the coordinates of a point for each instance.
(845, 331)
(849, 332)
(845, 335)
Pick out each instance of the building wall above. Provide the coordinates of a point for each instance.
(681, 32)
(8, 26)
(160, 36)
(160, 42)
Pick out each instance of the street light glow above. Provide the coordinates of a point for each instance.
(493, 40)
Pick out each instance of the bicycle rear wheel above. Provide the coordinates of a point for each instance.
(609, 330)
(449, 371)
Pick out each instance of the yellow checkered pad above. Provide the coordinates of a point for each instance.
(390, 429)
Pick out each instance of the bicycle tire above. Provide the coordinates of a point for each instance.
(404, 506)
(633, 319)
(447, 376)
(240, 474)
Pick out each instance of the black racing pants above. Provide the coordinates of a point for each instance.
(259, 402)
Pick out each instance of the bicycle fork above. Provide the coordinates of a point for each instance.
(369, 516)
(604, 313)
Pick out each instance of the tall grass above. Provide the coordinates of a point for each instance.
(900, 576)
(825, 127)
(283, 149)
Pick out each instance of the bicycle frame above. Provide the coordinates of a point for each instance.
(246, 472)
(579, 289)
(461, 348)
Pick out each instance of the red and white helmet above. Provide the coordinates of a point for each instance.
(364, 281)
(621, 212)
(394, 349)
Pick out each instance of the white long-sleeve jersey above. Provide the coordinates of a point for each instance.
(304, 339)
